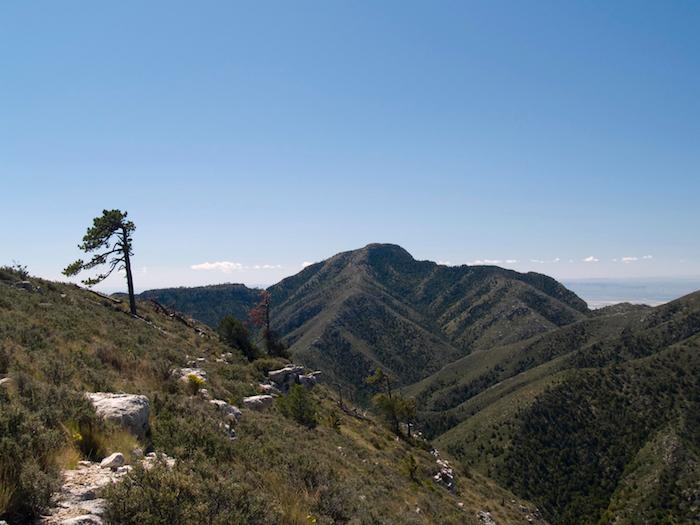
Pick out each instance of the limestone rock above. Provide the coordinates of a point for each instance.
(287, 376)
(486, 518)
(258, 402)
(268, 389)
(308, 380)
(231, 413)
(131, 411)
(85, 519)
(115, 460)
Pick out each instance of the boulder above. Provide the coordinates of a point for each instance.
(258, 402)
(268, 389)
(486, 518)
(114, 461)
(25, 285)
(284, 377)
(231, 413)
(307, 380)
(128, 410)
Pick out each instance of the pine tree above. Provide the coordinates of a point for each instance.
(110, 235)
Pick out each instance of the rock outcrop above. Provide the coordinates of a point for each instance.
(131, 411)
(258, 402)
(445, 475)
(285, 377)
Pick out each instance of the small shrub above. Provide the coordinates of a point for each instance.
(299, 406)
(334, 420)
(4, 360)
(15, 272)
(265, 364)
(410, 467)
(194, 384)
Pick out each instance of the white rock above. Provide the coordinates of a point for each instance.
(258, 402)
(115, 460)
(285, 376)
(204, 394)
(268, 389)
(128, 410)
(486, 518)
(230, 412)
(308, 380)
(85, 519)
(5, 382)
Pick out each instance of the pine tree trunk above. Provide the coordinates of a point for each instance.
(129, 279)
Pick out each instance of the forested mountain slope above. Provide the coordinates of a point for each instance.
(208, 304)
(379, 307)
(604, 426)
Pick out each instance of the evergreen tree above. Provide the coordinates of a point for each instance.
(235, 334)
(110, 237)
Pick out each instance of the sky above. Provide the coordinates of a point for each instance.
(246, 139)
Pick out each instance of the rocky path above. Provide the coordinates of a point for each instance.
(77, 503)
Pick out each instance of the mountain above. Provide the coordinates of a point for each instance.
(207, 304)
(59, 342)
(379, 307)
(597, 422)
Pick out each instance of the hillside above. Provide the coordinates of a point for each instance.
(597, 421)
(58, 342)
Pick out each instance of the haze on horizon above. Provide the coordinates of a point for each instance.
(246, 140)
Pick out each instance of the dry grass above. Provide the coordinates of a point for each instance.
(67, 457)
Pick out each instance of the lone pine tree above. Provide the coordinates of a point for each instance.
(110, 236)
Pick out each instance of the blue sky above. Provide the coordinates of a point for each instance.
(269, 134)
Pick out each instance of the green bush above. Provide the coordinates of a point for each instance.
(186, 428)
(185, 494)
(299, 406)
(27, 473)
(235, 334)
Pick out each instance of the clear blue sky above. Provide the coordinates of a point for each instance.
(274, 133)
